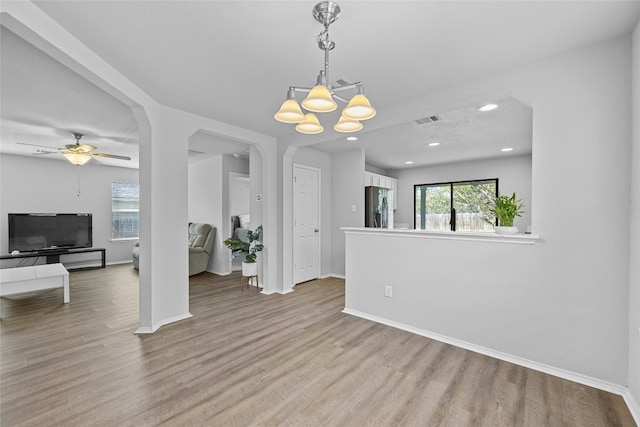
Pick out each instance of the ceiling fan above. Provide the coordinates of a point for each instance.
(77, 154)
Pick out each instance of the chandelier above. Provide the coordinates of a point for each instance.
(322, 97)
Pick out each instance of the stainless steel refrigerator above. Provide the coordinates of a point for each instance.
(378, 207)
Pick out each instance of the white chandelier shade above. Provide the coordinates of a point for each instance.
(310, 125)
(290, 111)
(322, 97)
(347, 125)
(359, 108)
(319, 100)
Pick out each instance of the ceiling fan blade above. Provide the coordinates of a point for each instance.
(38, 145)
(111, 156)
(41, 152)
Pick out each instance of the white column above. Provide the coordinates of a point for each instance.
(164, 265)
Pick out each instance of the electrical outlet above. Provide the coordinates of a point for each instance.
(388, 291)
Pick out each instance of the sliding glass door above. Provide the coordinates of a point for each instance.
(455, 206)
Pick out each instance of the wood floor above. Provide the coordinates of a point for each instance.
(246, 359)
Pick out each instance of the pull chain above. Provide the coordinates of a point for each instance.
(78, 168)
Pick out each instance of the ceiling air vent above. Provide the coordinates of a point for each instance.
(342, 81)
(426, 120)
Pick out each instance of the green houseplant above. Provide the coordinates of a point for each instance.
(506, 209)
(249, 248)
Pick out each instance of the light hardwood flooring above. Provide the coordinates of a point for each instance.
(247, 359)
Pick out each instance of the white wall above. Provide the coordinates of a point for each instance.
(634, 235)
(39, 184)
(347, 190)
(514, 174)
(563, 302)
(379, 171)
(239, 194)
(320, 160)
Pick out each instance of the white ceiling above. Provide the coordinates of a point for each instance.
(234, 60)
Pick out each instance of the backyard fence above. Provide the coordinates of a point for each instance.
(466, 221)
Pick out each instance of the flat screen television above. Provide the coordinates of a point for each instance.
(35, 232)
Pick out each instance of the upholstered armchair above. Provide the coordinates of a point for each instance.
(200, 246)
(201, 238)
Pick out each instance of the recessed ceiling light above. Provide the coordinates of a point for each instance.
(410, 162)
(488, 107)
(507, 149)
(434, 144)
(352, 138)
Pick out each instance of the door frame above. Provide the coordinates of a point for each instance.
(229, 231)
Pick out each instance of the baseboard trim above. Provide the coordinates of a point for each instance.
(337, 276)
(633, 405)
(151, 329)
(275, 291)
(117, 262)
(561, 373)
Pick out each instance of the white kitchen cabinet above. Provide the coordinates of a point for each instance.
(394, 187)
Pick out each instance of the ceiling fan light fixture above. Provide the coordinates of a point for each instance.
(346, 125)
(77, 159)
(310, 125)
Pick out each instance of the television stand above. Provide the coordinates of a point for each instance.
(53, 256)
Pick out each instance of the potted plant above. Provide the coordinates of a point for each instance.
(249, 248)
(506, 209)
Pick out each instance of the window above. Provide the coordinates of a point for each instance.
(125, 211)
(470, 200)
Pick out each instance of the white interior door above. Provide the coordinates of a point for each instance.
(306, 231)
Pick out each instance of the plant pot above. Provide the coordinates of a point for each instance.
(506, 230)
(249, 269)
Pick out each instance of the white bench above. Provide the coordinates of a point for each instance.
(34, 278)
